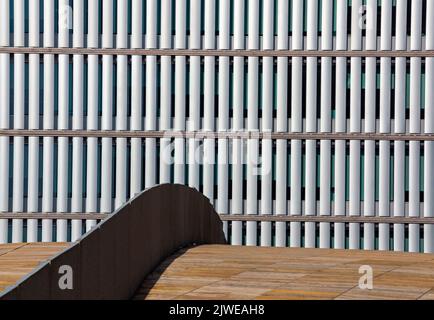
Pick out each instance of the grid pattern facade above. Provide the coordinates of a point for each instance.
(384, 95)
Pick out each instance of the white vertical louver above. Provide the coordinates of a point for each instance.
(325, 121)
(151, 94)
(282, 121)
(296, 119)
(355, 123)
(18, 123)
(194, 93)
(252, 156)
(62, 119)
(340, 123)
(107, 108)
(429, 128)
(34, 107)
(222, 204)
(48, 122)
(267, 121)
(415, 124)
(93, 18)
(400, 125)
(311, 122)
(209, 101)
(180, 85)
(165, 89)
(237, 122)
(121, 104)
(370, 125)
(136, 96)
(385, 123)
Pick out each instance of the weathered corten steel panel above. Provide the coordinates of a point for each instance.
(111, 261)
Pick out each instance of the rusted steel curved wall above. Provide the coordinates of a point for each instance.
(112, 260)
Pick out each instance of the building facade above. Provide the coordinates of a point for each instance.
(318, 116)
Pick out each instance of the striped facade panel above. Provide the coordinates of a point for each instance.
(266, 174)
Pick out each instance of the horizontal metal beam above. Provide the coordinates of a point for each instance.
(231, 217)
(331, 219)
(217, 135)
(53, 215)
(221, 53)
